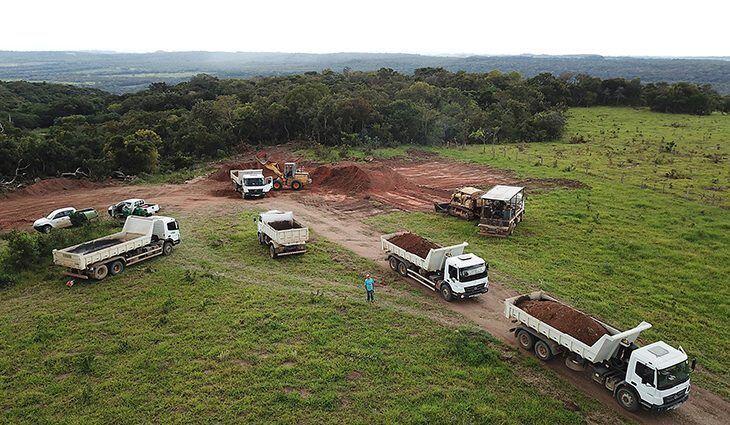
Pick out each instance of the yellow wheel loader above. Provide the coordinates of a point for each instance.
(290, 178)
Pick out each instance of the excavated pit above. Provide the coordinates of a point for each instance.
(564, 319)
(413, 243)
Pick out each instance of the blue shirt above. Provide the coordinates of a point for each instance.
(369, 282)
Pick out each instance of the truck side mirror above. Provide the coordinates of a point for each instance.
(693, 365)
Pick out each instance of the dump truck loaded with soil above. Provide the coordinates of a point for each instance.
(655, 376)
(282, 234)
(444, 269)
(141, 238)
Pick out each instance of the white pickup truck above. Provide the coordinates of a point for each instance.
(444, 269)
(134, 206)
(283, 234)
(251, 183)
(141, 238)
(64, 217)
(655, 376)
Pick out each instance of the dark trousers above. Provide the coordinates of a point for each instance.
(371, 295)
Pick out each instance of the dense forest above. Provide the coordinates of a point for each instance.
(46, 129)
(129, 72)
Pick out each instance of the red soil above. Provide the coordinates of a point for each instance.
(564, 319)
(54, 186)
(413, 243)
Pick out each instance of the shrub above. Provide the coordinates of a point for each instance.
(22, 250)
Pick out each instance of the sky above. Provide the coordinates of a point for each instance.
(611, 28)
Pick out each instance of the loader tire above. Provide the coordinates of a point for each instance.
(393, 263)
(272, 252)
(525, 340)
(277, 185)
(296, 185)
(101, 271)
(116, 267)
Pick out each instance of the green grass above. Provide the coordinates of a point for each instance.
(219, 332)
(635, 245)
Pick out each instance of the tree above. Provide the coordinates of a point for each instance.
(136, 153)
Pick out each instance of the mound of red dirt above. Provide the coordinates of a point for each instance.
(355, 178)
(413, 243)
(564, 319)
(54, 185)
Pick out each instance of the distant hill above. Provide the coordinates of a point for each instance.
(128, 72)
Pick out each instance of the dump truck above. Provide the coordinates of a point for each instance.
(281, 233)
(291, 178)
(502, 208)
(448, 270)
(656, 376)
(141, 238)
(64, 217)
(465, 203)
(251, 183)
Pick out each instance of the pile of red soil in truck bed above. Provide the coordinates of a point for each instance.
(564, 319)
(284, 225)
(413, 244)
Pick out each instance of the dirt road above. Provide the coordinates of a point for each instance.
(336, 212)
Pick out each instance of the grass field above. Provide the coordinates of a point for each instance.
(638, 244)
(219, 332)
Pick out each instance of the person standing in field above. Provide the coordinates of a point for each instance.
(369, 288)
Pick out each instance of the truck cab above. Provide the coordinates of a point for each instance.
(166, 229)
(466, 275)
(659, 376)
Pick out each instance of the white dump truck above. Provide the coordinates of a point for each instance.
(655, 376)
(251, 183)
(141, 238)
(445, 269)
(283, 234)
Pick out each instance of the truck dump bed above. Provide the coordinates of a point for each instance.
(434, 258)
(137, 232)
(601, 350)
(283, 229)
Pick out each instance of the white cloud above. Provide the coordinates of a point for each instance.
(620, 27)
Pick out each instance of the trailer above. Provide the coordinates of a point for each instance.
(656, 376)
(251, 183)
(281, 233)
(448, 270)
(141, 238)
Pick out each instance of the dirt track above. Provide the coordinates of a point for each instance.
(335, 212)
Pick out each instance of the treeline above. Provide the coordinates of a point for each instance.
(48, 128)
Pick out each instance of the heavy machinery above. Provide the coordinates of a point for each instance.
(448, 270)
(502, 207)
(498, 210)
(290, 178)
(465, 203)
(655, 376)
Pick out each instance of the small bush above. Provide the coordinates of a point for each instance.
(22, 250)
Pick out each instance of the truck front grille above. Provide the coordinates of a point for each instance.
(674, 397)
(474, 289)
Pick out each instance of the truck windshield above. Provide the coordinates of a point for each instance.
(672, 376)
(471, 273)
(253, 182)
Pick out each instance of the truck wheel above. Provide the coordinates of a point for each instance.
(446, 292)
(166, 248)
(276, 185)
(627, 398)
(393, 263)
(525, 340)
(272, 252)
(296, 185)
(402, 269)
(542, 351)
(116, 268)
(101, 271)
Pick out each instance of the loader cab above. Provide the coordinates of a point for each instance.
(659, 375)
(290, 170)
